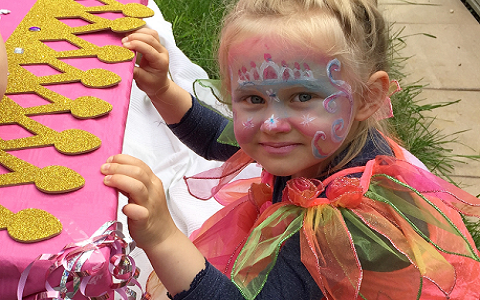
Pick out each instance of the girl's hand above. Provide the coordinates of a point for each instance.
(173, 256)
(149, 220)
(170, 100)
(152, 74)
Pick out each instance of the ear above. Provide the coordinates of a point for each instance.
(373, 96)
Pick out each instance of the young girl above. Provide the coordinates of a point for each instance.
(337, 212)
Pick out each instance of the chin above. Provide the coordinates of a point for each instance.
(279, 171)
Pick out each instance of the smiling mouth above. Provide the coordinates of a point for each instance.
(279, 148)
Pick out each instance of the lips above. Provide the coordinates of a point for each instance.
(279, 148)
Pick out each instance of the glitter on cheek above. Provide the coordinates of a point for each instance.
(243, 129)
(309, 125)
(248, 124)
(307, 119)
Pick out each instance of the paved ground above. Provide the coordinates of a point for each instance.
(450, 66)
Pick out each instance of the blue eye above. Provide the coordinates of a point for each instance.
(256, 100)
(304, 97)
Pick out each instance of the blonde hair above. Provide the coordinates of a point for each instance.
(353, 31)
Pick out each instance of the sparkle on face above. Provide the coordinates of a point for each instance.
(272, 95)
(248, 123)
(271, 123)
(307, 119)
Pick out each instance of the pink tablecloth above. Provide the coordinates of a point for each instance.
(83, 211)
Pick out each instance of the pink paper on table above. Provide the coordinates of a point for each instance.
(83, 211)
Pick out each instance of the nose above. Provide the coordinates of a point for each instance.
(275, 125)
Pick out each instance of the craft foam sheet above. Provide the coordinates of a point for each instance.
(41, 126)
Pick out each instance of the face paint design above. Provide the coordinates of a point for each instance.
(307, 120)
(248, 124)
(317, 140)
(338, 134)
(271, 123)
(284, 91)
(268, 81)
(272, 95)
(345, 90)
(269, 71)
(337, 126)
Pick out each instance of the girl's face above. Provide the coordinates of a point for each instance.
(3, 68)
(292, 110)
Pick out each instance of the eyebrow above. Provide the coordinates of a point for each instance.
(322, 84)
(246, 86)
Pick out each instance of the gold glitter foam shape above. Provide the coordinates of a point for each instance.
(70, 141)
(29, 225)
(5, 217)
(85, 107)
(50, 179)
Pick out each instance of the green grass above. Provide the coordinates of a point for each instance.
(411, 125)
(196, 25)
(416, 130)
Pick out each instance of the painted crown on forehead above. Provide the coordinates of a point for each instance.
(271, 72)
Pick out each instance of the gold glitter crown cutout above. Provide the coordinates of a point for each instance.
(26, 46)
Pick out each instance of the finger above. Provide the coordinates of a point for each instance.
(144, 38)
(138, 41)
(151, 58)
(123, 164)
(136, 190)
(135, 212)
(132, 168)
(126, 159)
(132, 176)
(144, 79)
(145, 30)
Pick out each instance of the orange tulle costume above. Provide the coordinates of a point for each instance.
(355, 219)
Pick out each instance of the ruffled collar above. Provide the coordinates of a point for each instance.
(376, 145)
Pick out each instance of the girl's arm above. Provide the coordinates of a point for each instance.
(173, 256)
(173, 102)
(199, 129)
(151, 76)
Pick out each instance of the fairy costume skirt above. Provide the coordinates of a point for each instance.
(394, 233)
